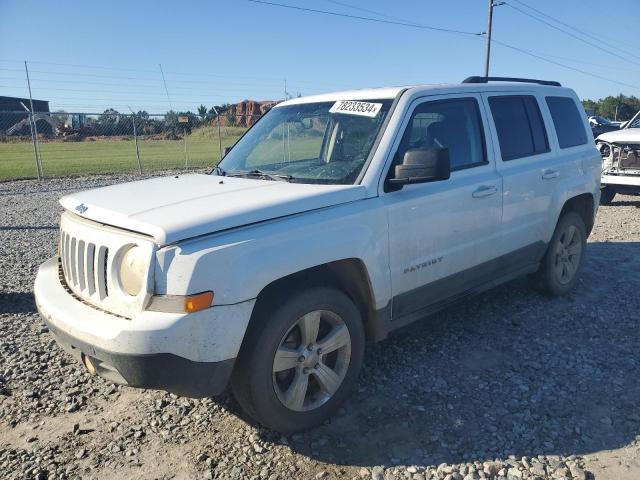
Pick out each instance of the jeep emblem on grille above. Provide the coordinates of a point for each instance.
(82, 208)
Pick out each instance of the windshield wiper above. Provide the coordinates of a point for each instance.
(219, 171)
(259, 173)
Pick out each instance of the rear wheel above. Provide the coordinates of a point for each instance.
(301, 360)
(606, 195)
(560, 268)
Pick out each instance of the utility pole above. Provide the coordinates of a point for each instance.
(34, 127)
(487, 55)
(33, 140)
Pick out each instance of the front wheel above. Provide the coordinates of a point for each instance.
(300, 360)
(560, 268)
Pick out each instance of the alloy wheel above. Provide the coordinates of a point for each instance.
(312, 360)
(568, 254)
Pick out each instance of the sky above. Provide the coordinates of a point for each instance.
(88, 56)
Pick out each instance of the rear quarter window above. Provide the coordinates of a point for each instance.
(519, 125)
(567, 121)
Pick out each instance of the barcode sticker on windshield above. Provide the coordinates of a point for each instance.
(352, 107)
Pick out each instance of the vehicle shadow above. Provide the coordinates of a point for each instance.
(626, 203)
(17, 302)
(510, 372)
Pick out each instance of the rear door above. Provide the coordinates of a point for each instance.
(443, 235)
(531, 170)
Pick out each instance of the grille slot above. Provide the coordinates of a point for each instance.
(72, 262)
(89, 263)
(82, 278)
(84, 266)
(103, 259)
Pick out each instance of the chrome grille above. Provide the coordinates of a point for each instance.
(90, 253)
(84, 266)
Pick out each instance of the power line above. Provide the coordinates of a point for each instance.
(174, 81)
(598, 37)
(100, 67)
(226, 86)
(168, 72)
(611, 67)
(129, 92)
(369, 19)
(595, 45)
(92, 75)
(132, 100)
(361, 9)
(144, 87)
(584, 72)
(503, 44)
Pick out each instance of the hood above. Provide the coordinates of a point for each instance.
(626, 135)
(179, 207)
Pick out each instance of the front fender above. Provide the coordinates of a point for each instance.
(238, 264)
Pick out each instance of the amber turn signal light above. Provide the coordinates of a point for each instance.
(199, 301)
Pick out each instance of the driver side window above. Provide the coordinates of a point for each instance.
(453, 124)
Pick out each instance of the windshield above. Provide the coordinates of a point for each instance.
(326, 142)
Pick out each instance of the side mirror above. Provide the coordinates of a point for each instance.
(225, 151)
(420, 165)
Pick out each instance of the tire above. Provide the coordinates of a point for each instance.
(606, 195)
(284, 326)
(562, 263)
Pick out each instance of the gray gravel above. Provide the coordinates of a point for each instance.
(508, 385)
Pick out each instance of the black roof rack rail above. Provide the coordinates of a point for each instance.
(510, 79)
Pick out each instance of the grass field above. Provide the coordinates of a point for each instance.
(115, 155)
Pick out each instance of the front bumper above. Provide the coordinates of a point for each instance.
(161, 371)
(621, 180)
(190, 355)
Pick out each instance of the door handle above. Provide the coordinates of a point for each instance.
(485, 191)
(550, 174)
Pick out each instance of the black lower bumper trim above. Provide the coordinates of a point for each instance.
(162, 371)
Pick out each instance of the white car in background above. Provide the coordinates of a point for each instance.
(620, 152)
(334, 220)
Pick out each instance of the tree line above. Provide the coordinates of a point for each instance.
(620, 107)
(113, 122)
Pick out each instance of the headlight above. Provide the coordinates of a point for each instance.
(133, 267)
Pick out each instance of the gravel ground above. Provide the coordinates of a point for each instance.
(510, 384)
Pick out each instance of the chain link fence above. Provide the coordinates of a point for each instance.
(53, 144)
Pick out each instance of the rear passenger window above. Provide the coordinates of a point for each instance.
(567, 121)
(519, 125)
(453, 124)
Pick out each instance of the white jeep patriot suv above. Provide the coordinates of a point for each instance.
(334, 220)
